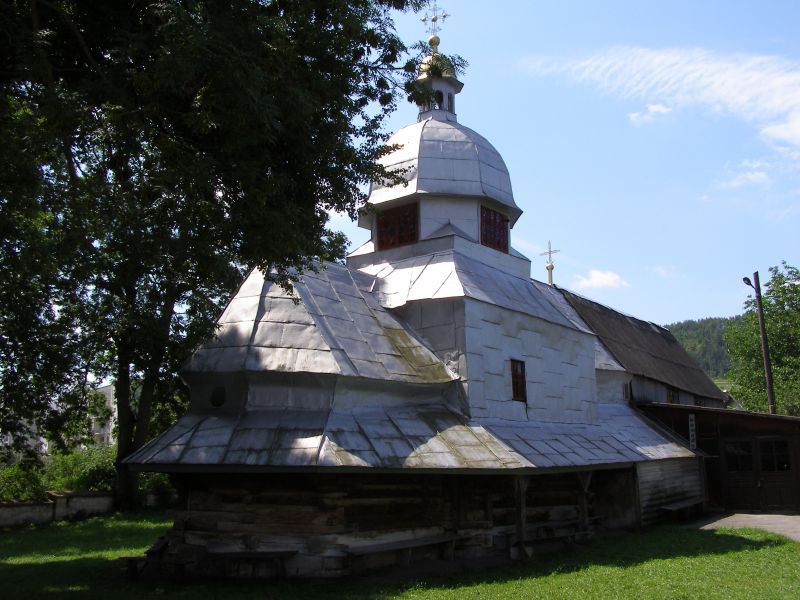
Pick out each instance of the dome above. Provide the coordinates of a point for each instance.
(442, 157)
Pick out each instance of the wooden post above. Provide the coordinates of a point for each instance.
(584, 478)
(520, 500)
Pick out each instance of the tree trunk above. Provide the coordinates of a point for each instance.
(126, 422)
(153, 370)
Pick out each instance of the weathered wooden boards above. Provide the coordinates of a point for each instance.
(321, 525)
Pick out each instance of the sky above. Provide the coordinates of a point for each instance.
(656, 144)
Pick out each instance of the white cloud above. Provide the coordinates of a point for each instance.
(599, 279)
(764, 90)
(651, 110)
(665, 272)
(743, 179)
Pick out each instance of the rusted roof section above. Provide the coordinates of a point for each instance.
(400, 437)
(644, 348)
(327, 326)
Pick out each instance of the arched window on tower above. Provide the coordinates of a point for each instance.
(438, 99)
(451, 102)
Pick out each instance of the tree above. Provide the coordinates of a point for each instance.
(781, 302)
(703, 340)
(159, 149)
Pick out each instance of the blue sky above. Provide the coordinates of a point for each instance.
(656, 144)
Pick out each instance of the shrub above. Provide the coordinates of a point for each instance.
(157, 484)
(19, 483)
(88, 470)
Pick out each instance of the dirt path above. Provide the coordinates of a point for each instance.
(788, 525)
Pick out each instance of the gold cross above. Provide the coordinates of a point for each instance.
(433, 18)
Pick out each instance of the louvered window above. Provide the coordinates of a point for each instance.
(494, 229)
(398, 226)
(518, 391)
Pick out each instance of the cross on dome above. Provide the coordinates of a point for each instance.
(432, 20)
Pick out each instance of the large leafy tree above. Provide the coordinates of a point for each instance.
(151, 152)
(781, 302)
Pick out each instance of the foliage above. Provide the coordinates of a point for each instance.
(664, 563)
(781, 302)
(154, 151)
(156, 483)
(87, 470)
(20, 483)
(703, 340)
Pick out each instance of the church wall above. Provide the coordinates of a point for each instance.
(441, 324)
(611, 386)
(559, 366)
(437, 211)
(330, 525)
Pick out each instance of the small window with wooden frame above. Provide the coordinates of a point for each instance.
(518, 389)
(673, 396)
(398, 226)
(494, 229)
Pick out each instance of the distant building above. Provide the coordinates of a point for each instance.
(428, 399)
(102, 427)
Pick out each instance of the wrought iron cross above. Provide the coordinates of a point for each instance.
(433, 18)
(549, 252)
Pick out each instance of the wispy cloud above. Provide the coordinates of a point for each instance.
(764, 90)
(599, 279)
(743, 179)
(665, 272)
(650, 113)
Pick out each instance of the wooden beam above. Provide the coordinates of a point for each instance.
(521, 506)
(585, 478)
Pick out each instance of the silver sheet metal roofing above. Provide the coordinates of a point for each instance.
(644, 348)
(408, 437)
(603, 359)
(450, 274)
(444, 157)
(329, 326)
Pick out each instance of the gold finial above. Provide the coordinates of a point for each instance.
(549, 265)
(432, 20)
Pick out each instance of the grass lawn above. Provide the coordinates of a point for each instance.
(66, 560)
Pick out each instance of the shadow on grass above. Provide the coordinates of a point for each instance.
(60, 575)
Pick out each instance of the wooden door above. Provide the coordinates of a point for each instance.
(758, 474)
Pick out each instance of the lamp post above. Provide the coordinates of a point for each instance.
(764, 344)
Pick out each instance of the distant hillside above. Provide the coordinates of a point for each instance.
(703, 341)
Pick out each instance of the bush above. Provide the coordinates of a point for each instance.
(157, 484)
(19, 483)
(88, 470)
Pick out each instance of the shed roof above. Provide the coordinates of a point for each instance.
(644, 348)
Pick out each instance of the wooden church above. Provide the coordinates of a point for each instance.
(427, 400)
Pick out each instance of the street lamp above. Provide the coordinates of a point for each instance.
(764, 344)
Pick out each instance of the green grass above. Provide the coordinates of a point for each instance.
(80, 560)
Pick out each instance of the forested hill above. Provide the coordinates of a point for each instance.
(703, 340)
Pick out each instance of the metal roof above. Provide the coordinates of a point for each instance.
(444, 157)
(450, 274)
(644, 348)
(603, 359)
(400, 437)
(328, 326)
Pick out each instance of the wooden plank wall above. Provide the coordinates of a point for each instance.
(316, 523)
(665, 481)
